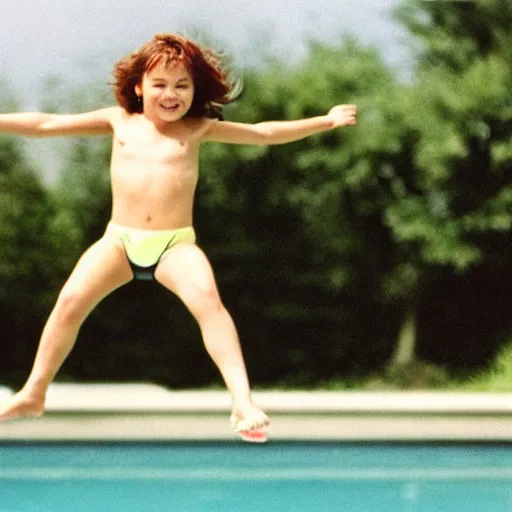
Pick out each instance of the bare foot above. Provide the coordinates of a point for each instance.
(250, 418)
(21, 404)
(250, 423)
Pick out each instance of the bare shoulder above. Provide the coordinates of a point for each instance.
(106, 114)
(200, 124)
(196, 127)
(208, 126)
(114, 114)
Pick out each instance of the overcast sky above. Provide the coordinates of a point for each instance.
(62, 37)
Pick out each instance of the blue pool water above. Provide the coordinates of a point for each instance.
(210, 477)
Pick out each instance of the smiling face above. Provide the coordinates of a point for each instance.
(167, 92)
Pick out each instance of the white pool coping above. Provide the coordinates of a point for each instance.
(152, 398)
(149, 412)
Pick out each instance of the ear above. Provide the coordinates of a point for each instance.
(138, 90)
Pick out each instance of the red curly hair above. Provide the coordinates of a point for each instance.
(213, 84)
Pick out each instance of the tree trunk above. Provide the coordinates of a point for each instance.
(405, 350)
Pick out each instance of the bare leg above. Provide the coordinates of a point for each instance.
(185, 270)
(100, 270)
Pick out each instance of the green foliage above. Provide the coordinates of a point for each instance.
(455, 207)
(412, 376)
(478, 27)
(497, 377)
(30, 227)
(83, 190)
(35, 242)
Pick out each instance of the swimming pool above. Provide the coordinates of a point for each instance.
(279, 476)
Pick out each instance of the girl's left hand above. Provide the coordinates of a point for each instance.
(342, 115)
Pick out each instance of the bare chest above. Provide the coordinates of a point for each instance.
(130, 145)
(143, 162)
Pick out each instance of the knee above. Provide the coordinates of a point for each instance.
(70, 308)
(202, 301)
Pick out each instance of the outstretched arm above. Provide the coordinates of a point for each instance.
(35, 124)
(280, 132)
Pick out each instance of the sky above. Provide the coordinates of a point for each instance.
(69, 37)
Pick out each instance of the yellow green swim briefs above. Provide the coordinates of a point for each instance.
(144, 248)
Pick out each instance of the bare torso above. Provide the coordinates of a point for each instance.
(154, 174)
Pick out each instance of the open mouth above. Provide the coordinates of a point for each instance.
(171, 107)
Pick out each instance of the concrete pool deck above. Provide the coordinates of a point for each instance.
(146, 412)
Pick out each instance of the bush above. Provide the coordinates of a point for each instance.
(498, 377)
(415, 375)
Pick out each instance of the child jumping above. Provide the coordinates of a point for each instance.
(170, 93)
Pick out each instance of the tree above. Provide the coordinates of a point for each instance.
(34, 241)
(456, 205)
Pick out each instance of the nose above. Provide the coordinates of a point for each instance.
(170, 92)
(173, 96)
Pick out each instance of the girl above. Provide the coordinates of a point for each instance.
(170, 94)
